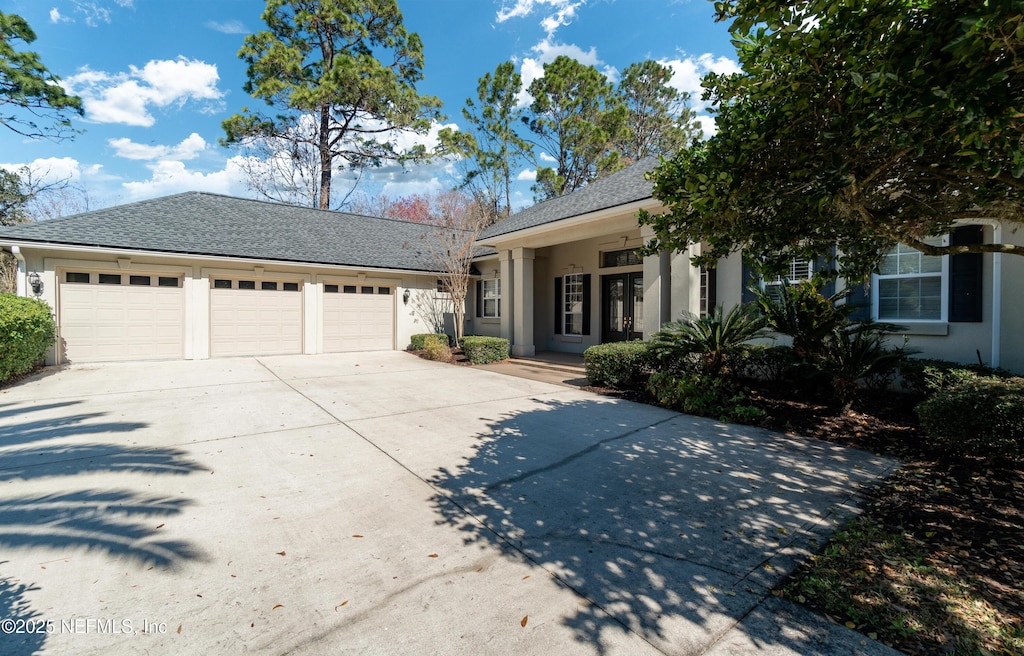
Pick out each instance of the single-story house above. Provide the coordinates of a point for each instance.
(200, 275)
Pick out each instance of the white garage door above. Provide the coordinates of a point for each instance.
(358, 318)
(120, 316)
(255, 317)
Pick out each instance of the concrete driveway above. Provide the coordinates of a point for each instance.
(378, 503)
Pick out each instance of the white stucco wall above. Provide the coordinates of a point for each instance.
(196, 288)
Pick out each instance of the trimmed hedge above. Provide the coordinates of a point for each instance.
(619, 365)
(927, 376)
(982, 417)
(26, 332)
(705, 395)
(481, 350)
(418, 339)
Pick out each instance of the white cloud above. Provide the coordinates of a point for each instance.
(49, 169)
(556, 12)
(227, 27)
(172, 177)
(688, 71)
(544, 157)
(126, 98)
(56, 17)
(527, 175)
(547, 51)
(189, 148)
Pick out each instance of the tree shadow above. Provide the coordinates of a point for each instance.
(121, 524)
(674, 531)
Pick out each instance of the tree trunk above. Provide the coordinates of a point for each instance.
(323, 143)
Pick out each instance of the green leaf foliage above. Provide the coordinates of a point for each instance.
(619, 365)
(32, 103)
(576, 117)
(347, 68)
(481, 349)
(26, 333)
(713, 339)
(983, 417)
(853, 123)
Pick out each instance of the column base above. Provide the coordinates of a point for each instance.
(523, 350)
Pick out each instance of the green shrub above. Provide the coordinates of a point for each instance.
(435, 347)
(764, 362)
(927, 376)
(26, 332)
(707, 396)
(418, 339)
(481, 350)
(982, 417)
(619, 365)
(710, 341)
(855, 353)
(803, 312)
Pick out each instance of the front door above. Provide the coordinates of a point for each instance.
(622, 307)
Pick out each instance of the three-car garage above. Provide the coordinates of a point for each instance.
(106, 315)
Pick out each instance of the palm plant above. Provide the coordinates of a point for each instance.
(801, 311)
(708, 341)
(856, 351)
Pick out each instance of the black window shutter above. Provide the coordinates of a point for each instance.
(558, 305)
(749, 278)
(479, 298)
(857, 298)
(586, 304)
(965, 276)
(712, 289)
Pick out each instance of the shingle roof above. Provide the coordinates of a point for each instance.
(201, 223)
(619, 188)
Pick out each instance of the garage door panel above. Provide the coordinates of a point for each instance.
(358, 322)
(255, 322)
(113, 322)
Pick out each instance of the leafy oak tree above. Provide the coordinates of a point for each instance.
(341, 75)
(32, 102)
(857, 124)
(576, 117)
(659, 119)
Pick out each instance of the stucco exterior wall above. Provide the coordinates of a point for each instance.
(196, 273)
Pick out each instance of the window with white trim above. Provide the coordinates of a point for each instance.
(910, 286)
(798, 270)
(572, 304)
(491, 293)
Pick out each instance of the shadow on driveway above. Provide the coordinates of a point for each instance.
(119, 523)
(675, 531)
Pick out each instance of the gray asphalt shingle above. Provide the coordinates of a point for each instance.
(619, 188)
(200, 223)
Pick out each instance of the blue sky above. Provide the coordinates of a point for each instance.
(159, 76)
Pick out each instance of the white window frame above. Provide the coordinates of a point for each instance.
(942, 274)
(800, 269)
(490, 291)
(570, 303)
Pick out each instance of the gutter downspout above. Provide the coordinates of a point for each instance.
(21, 286)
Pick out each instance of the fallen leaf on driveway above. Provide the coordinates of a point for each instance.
(276, 606)
(357, 536)
(432, 556)
(280, 553)
(523, 622)
(340, 605)
(179, 629)
(159, 525)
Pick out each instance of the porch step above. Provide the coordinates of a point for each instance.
(561, 367)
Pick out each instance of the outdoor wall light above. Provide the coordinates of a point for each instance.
(405, 296)
(35, 283)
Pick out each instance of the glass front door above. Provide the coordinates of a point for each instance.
(622, 307)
